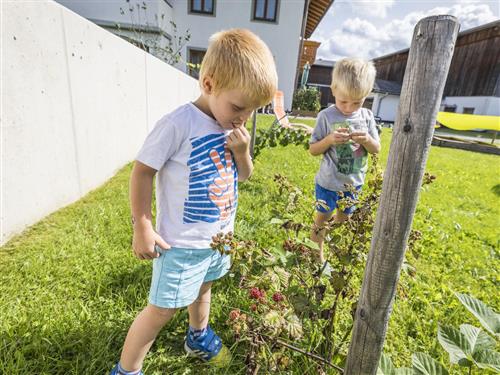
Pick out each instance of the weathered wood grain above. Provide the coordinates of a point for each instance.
(428, 63)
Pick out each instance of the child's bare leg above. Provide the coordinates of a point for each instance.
(340, 217)
(142, 334)
(199, 310)
(318, 236)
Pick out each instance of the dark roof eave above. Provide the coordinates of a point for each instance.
(310, 26)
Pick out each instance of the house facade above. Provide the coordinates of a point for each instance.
(150, 24)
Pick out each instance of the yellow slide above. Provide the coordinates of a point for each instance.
(459, 121)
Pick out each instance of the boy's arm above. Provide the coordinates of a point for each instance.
(321, 138)
(338, 137)
(141, 191)
(239, 143)
(372, 145)
(319, 147)
(367, 141)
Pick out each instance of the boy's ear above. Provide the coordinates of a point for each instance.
(207, 85)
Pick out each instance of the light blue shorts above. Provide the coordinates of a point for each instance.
(179, 273)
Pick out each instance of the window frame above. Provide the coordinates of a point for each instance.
(189, 51)
(201, 12)
(264, 19)
(451, 108)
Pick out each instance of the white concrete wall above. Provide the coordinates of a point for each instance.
(483, 105)
(77, 103)
(130, 17)
(120, 11)
(282, 38)
(385, 106)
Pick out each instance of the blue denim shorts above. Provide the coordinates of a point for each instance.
(326, 200)
(179, 273)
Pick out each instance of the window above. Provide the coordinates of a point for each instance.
(468, 110)
(450, 108)
(368, 103)
(195, 57)
(201, 6)
(265, 10)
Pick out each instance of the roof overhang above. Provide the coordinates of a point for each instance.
(315, 13)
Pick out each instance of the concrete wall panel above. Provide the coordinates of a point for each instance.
(77, 103)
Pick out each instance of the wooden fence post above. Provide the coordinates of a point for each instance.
(254, 129)
(423, 84)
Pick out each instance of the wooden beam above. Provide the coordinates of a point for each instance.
(324, 3)
(318, 8)
(428, 63)
(316, 14)
(469, 146)
(253, 136)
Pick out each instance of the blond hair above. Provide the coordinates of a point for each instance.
(353, 77)
(239, 59)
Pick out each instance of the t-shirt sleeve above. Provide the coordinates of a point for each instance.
(372, 126)
(320, 130)
(161, 143)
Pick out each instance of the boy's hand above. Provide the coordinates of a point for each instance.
(144, 241)
(239, 140)
(338, 137)
(360, 137)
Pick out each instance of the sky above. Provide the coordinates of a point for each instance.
(373, 28)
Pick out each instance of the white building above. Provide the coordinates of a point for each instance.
(149, 24)
(385, 97)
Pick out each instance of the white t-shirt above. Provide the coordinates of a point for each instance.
(197, 181)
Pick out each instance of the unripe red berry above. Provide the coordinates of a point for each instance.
(234, 314)
(256, 293)
(278, 297)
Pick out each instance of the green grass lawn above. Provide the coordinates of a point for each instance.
(70, 286)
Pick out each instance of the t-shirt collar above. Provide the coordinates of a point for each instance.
(209, 119)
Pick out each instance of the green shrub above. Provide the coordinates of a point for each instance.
(306, 99)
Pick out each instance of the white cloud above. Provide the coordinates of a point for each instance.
(370, 8)
(468, 1)
(472, 15)
(360, 37)
(359, 27)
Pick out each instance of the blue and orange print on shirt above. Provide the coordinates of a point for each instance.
(212, 194)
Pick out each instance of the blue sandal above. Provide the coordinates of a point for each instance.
(205, 347)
